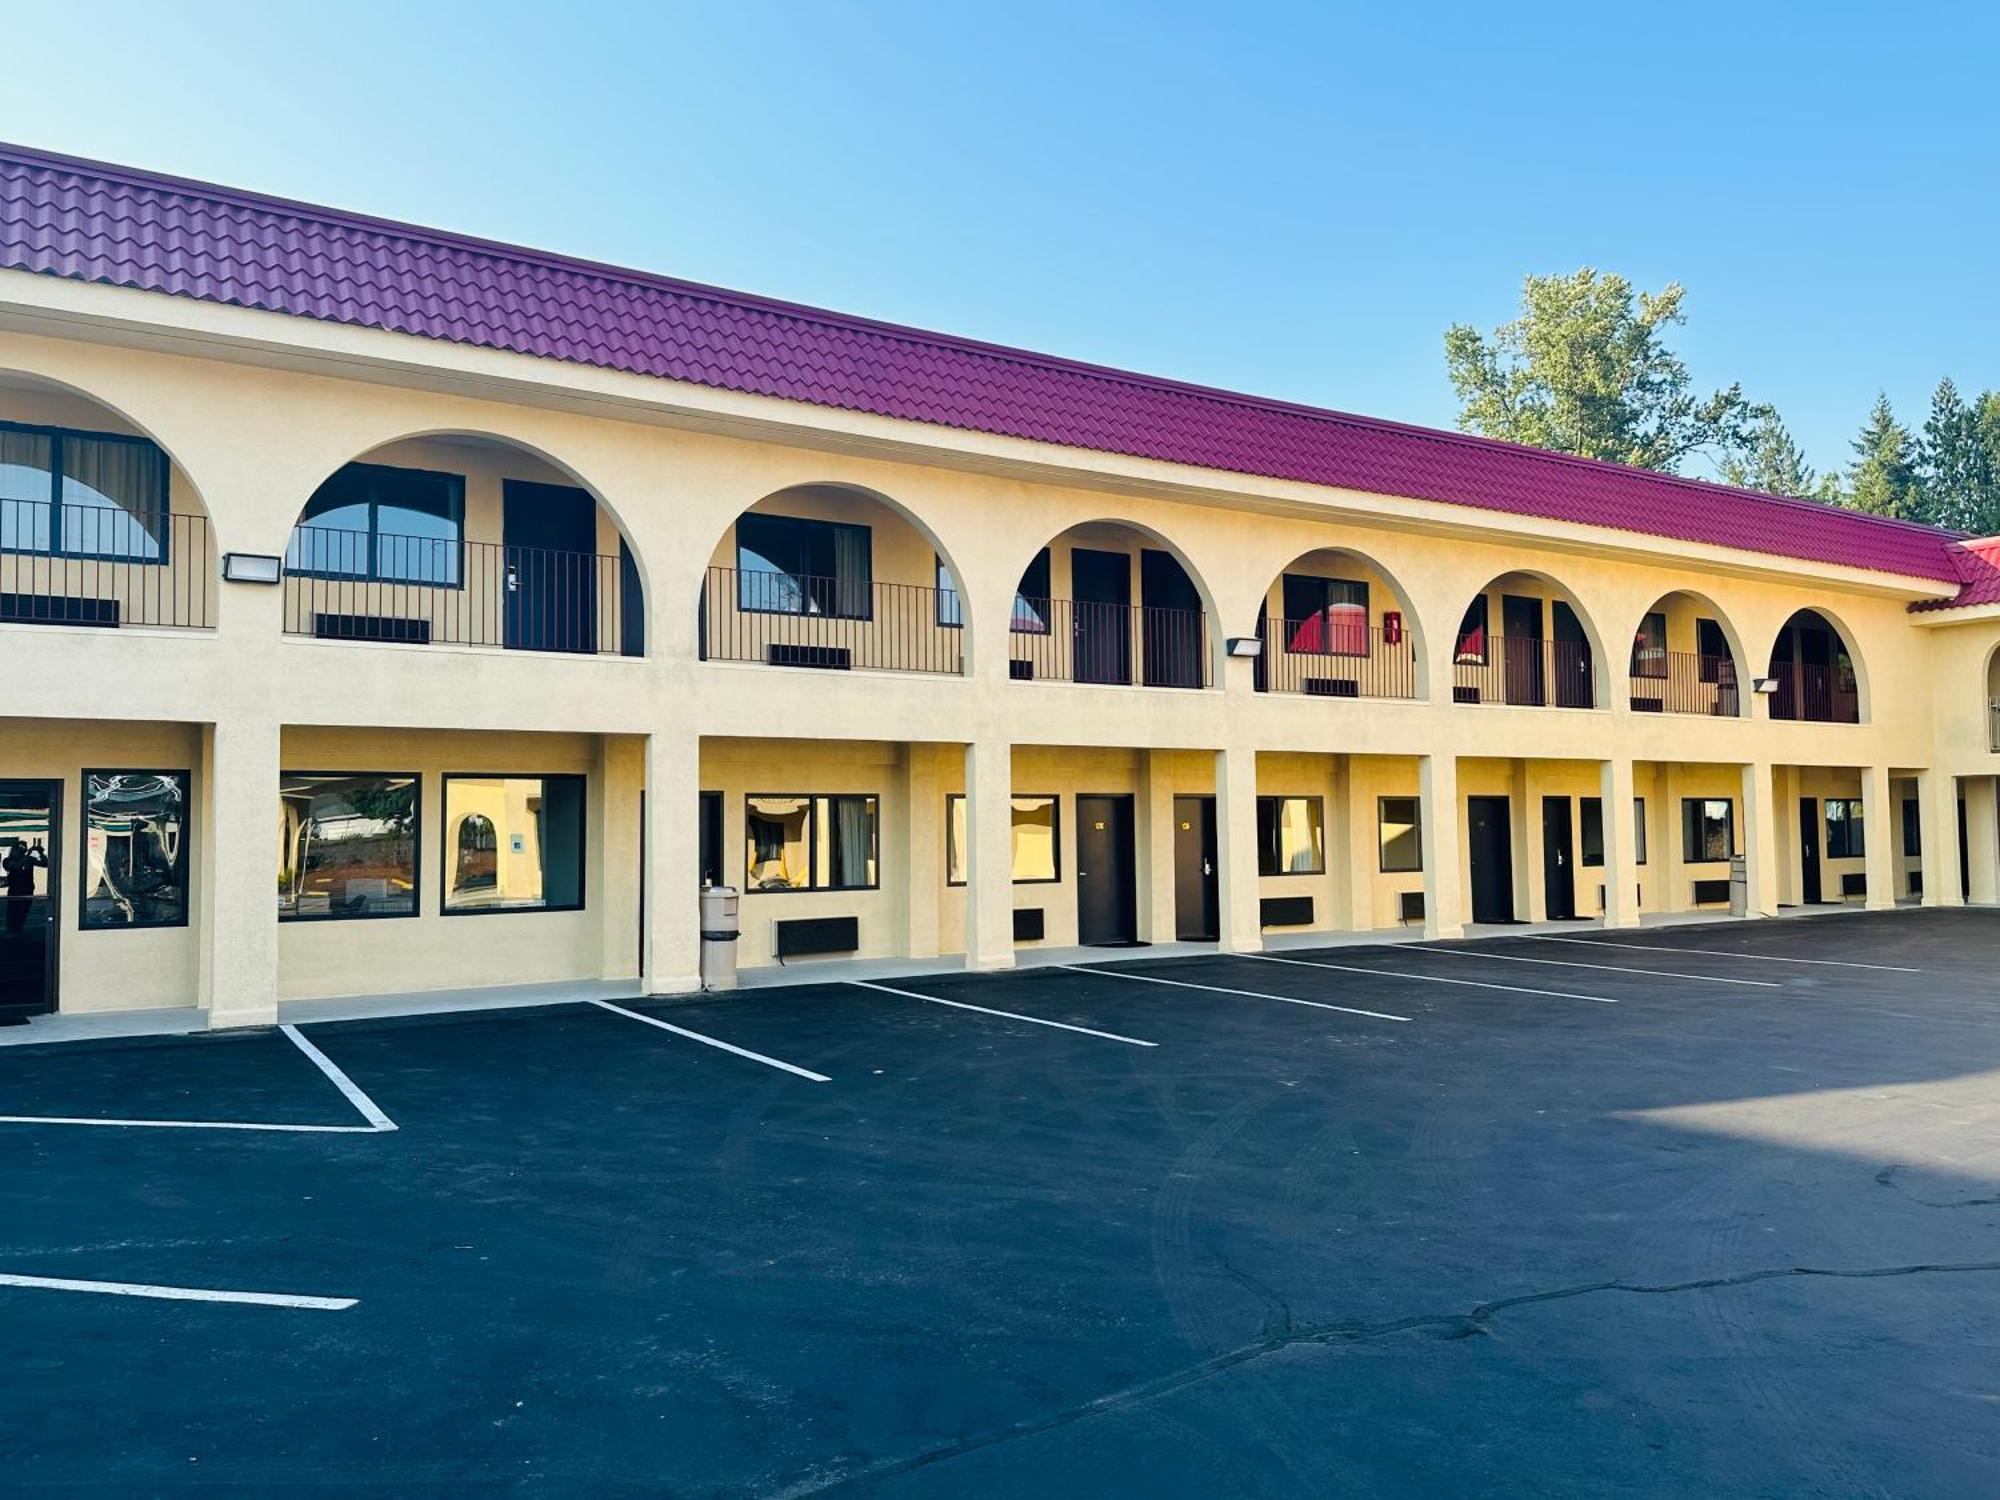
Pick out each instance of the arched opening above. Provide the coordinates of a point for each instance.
(98, 525)
(1334, 625)
(475, 865)
(835, 577)
(1815, 672)
(1685, 660)
(1110, 602)
(463, 539)
(1524, 640)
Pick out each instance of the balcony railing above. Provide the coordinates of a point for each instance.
(416, 590)
(1814, 695)
(1683, 682)
(1329, 657)
(834, 624)
(1523, 671)
(95, 565)
(1075, 640)
(1993, 726)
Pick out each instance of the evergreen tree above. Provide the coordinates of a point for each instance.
(1882, 479)
(1954, 469)
(1773, 463)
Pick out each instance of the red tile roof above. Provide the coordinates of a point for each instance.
(1978, 564)
(94, 222)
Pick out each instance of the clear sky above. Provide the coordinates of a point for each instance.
(1293, 200)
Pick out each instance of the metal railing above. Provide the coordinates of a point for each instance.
(1814, 694)
(1330, 657)
(95, 565)
(416, 590)
(1074, 640)
(1685, 682)
(1524, 671)
(1993, 726)
(834, 624)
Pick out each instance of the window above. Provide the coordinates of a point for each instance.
(1037, 852)
(1031, 600)
(347, 845)
(371, 521)
(1649, 647)
(1591, 831)
(82, 494)
(1639, 828)
(1913, 828)
(1325, 616)
(135, 849)
(711, 838)
(513, 843)
(1708, 829)
(950, 609)
(1472, 636)
(1844, 833)
(1290, 840)
(1401, 823)
(787, 565)
(808, 843)
(1717, 665)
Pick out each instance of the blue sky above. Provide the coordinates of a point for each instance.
(1291, 200)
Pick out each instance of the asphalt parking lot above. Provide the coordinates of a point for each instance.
(1690, 1211)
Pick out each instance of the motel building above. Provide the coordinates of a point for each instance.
(384, 612)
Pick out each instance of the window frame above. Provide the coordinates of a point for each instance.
(864, 588)
(1460, 657)
(1325, 587)
(1651, 663)
(446, 778)
(1054, 799)
(947, 588)
(1277, 799)
(1694, 856)
(455, 487)
(1913, 828)
(416, 780)
(1024, 602)
(56, 437)
(1383, 867)
(1852, 823)
(182, 862)
(812, 801)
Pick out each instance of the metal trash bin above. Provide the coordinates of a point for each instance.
(1739, 886)
(718, 937)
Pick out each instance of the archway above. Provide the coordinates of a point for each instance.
(1335, 624)
(1815, 673)
(1687, 658)
(1525, 640)
(1112, 602)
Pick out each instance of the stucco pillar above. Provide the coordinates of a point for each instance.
(1790, 856)
(1236, 843)
(1676, 894)
(1437, 781)
(1154, 835)
(1621, 844)
(923, 846)
(1937, 805)
(1762, 848)
(239, 896)
(1982, 838)
(1878, 835)
(673, 863)
(617, 835)
(1347, 847)
(1525, 828)
(989, 855)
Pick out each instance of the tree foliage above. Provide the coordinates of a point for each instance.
(1774, 463)
(1882, 480)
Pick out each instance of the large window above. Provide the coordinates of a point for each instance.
(1401, 824)
(788, 565)
(135, 853)
(1037, 843)
(1325, 616)
(513, 843)
(1844, 833)
(1708, 829)
(1590, 833)
(1032, 607)
(1649, 647)
(810, 843)
(347, 845)
(370, 521)
(82, 494)
(1472, 635)
(1290, 838)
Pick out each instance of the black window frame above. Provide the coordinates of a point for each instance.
(1852, 825)
(947, 588)
(1913, 828)
(182, 860)
(1416, 823)
(812, 801)
(1467, 624)
(416, 780)
(1054, 799)
(1708, 633)
(842, 592)
(455, 499)
(1041, 567)
(1267, 835)
(1695, 822)
(445, 779)
(712, 838)
(1650, 662)
(1592, 809)
(1292, 589)
(57, 436)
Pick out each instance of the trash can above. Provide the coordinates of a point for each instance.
(718, 937)
(1739, 887)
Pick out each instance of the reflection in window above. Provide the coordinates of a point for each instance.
(1290, 840)
(1401, 834)
(76, 494)
(1325, 616)
(135, 848)
(388, 524)
(347, 846)
(1649, 647)
(950, 608)
(790, 565)
(1708, 829)
(1472, 639)
(1844, 831)
(808, 843)
(513, 843)
(1037, 846)
(1031, 600)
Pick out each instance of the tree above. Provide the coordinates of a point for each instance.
(1584, 370)
(1777, 465)
(1883, 478)
(1958, 461)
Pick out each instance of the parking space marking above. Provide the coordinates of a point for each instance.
(179, 1293)
(1477, 984)
(1570, 963)
(985, 1010)
(1769, 958)
(717, 1042)
(1218, 989)
(341, 1081)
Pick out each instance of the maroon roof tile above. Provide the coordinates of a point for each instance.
(1977, 563)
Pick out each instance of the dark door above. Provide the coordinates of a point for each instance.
(1107, 899)
(30, 843)
(1197, 904)
(1558, 874)
(1809, 891)
(1489, 843)
(549, 567)
(1964, 856)
(1521, 630)
(1170, 635)
(1101, 583)
(1569, 659)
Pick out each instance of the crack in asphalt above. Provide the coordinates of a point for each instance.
(1463, 1325)
(1888, 1176)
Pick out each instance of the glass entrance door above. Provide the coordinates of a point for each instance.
(29, 844)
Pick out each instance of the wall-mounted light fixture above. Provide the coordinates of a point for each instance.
(1245, 645)
(252, 567)
(1764, 685)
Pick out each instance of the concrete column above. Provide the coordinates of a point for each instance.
(1621, 844)
(239, 898)
(1153, 833)
(617, 835)
(1878, 833)
(1790, 857)
(1937, 806)
(1236, 843)
(989, 855)
(1676, 893)
(1437, 779)
(1530, 890)
(1349, 846)
(673, 863)
(1982, 836)
(1761, 845)
(923, 842)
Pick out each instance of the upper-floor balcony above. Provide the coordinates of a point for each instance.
(1526, 671)
(834, 622)
(90, 564)
(1993, 726)
(1090, 641)
(1685, 682)
(1812, 672)
(1336, 653)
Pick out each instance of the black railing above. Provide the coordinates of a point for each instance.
(1523, 671)
(1684, 682)
(95, 565)
(1993, 726)
(1814, 694)
(1075, 640)
(416, 590)
(1330, 657)
(835, 624)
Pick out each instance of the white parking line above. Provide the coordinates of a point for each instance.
(1477, 984)
(709, 1041)
(179, 1293)
(1182, 984)
(984, 1010)
(1768, 958)
(341, 1081)
(1570, 963)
